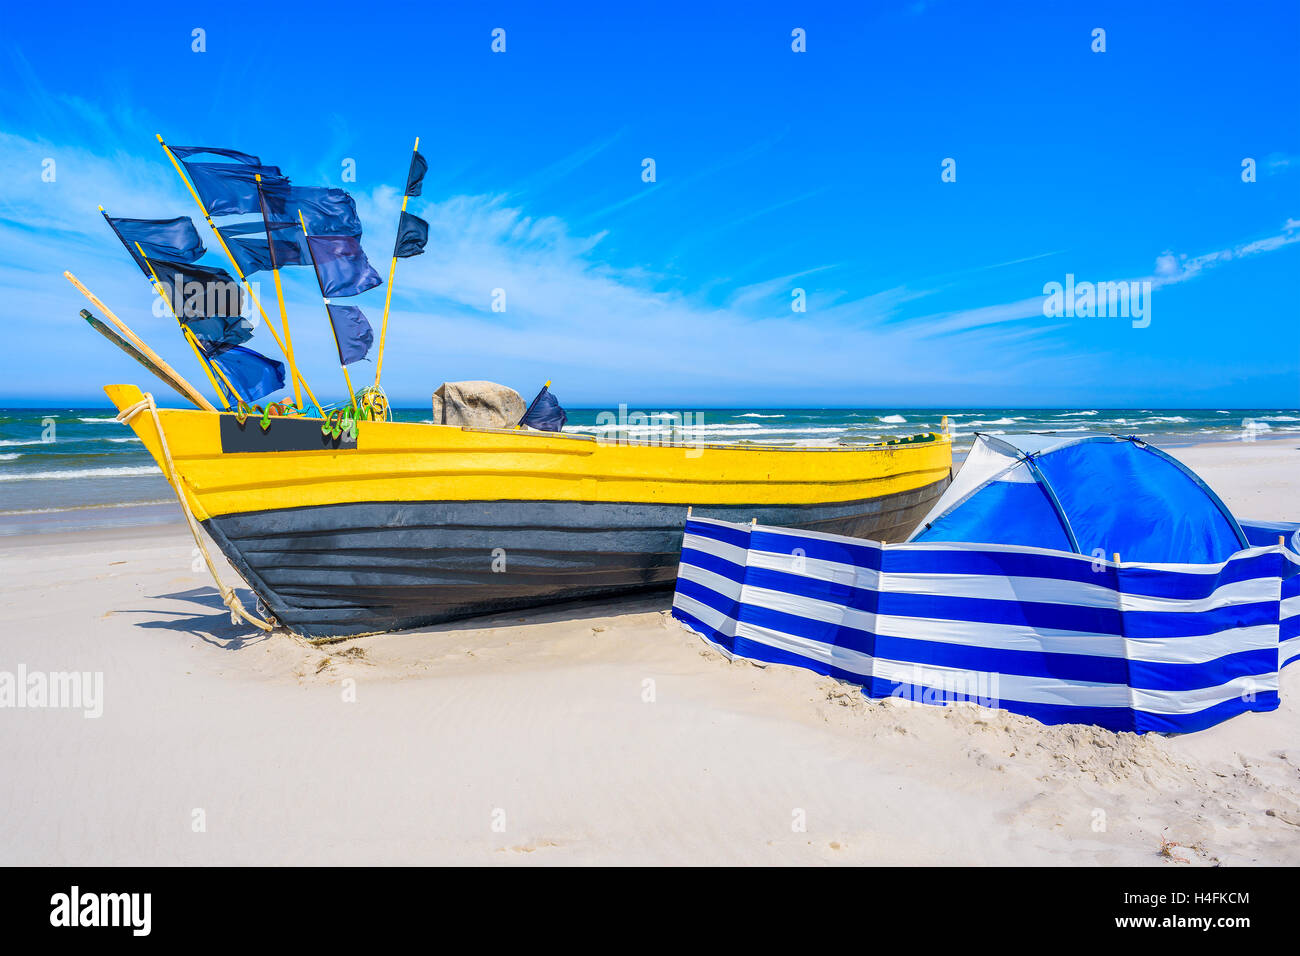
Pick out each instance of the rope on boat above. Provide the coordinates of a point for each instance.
(228, 596)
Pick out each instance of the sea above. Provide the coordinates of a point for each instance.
(68, 468)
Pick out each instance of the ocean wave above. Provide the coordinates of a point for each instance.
(705, 428)
(757, 415)
(891, 419)
(99, 421)
(13, 442)
(11, 456)
(1278, 418)
(747, 428)
(1077, 414)
(1172, 420)
(99, 507)
(118, 472)
(1000, 421)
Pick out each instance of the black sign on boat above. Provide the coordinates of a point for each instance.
(284, 434)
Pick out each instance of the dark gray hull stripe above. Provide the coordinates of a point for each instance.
(338, 570)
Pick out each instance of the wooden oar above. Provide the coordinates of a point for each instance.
(136, 354)
(162, 369)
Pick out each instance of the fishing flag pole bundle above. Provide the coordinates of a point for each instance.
(231, 189)
(296, 226)
(174, 246)
(412, 234)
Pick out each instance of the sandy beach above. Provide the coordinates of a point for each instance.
(604, 733)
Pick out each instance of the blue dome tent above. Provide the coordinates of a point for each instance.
(1085, 494)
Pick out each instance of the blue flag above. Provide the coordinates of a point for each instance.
(352, 332)
(253, 374)
(415, 176)
(412, 234)
(341, 266)
(182, 152)
(208, 301)
(327, 211)
(220, 333)
(256, 254)
(173, 239)
(197, 292)
(545, 413)
(230, 189)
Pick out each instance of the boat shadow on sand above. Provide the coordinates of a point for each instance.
(213, 628)
(216, 629)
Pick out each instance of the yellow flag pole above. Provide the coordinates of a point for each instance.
(208, 367)
(240, 272)
(279, 295)
(346, 376)
(288, 340)
(388, 298)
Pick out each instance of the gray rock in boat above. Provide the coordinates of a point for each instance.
(480, 404)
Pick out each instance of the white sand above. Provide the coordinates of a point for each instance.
(541, 722)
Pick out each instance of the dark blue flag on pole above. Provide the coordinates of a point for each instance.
(173, 239)
(255, 254)
(412, 234)
(415, 176)
(326, 210)
(352, 332)
(220, 333)
(341, 266)
(545, 413)
(182, 152)
(199, 291)
(252, 374)
(230, 189)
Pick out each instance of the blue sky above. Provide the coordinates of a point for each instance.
(775, 170)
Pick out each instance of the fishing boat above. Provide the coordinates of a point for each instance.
(344, 522)
(407, 524)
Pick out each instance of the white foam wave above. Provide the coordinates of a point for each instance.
(124, 472)
(746, 429)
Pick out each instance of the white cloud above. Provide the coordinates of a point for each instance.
(605, 333)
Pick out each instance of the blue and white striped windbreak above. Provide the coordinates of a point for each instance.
(1060, 637)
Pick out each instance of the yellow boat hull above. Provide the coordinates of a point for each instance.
(412, 524)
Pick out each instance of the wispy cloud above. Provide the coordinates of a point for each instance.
(1172, 268)
(607, 333)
